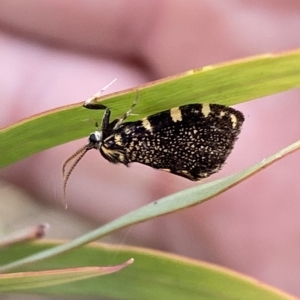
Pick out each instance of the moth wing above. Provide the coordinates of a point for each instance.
(192, 141)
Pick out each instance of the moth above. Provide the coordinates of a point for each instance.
(192, 141)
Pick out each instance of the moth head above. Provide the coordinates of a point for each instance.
(94, 142)
(95, 139)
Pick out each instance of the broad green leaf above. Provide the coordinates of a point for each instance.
(228, 83)
(154, 275)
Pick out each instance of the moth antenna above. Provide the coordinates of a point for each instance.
(70, 158)
(78, 155)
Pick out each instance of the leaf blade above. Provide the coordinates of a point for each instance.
(228, 83)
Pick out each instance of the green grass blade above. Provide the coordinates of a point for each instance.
(41, 279)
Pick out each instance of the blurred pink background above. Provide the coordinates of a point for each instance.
(54, 53)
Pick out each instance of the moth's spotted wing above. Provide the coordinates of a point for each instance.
(191, 141)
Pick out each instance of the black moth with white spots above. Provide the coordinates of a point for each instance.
(192, 141)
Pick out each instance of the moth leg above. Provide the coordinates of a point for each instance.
(128, 113)
(105, 119)
(106, 115)
(90, 102)
(94, 106)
